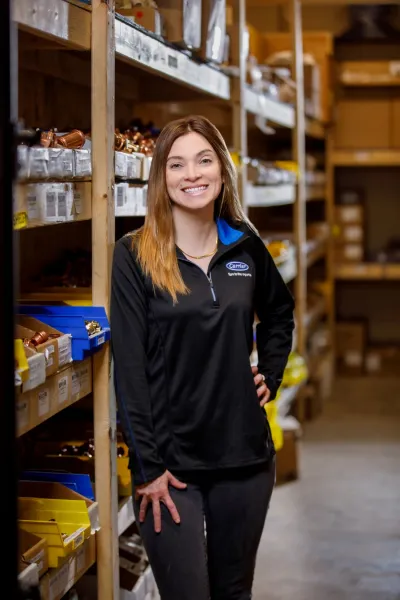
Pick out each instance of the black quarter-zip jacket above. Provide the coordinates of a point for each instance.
(184, 386)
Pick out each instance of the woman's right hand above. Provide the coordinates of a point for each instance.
(156, 492)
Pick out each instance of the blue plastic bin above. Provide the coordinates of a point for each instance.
(71, 319)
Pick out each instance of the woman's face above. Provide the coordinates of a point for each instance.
(193, 172)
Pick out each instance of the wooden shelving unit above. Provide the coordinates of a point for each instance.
(365, 158)
(105, 56)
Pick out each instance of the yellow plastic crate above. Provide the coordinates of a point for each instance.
(64, 524)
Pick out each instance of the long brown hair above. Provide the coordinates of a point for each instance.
(155, 241)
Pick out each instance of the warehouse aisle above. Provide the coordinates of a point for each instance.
(335, 535)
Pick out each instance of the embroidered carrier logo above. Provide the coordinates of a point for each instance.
(238, 268)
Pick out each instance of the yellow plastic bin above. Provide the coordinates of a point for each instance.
(64, 524)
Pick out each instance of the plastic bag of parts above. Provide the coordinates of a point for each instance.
(192, 23)
(214, 29)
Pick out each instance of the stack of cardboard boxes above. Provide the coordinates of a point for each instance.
(349, 228)
(357, 357)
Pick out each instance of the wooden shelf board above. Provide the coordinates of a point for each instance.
(368, 272)
(270, 195)
(273, 111)
(375, 73)
(134, 46)
(58, 20)
(366, 158)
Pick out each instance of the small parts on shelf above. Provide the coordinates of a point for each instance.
(349, 229)
(130, 200)
(72, 320)
(42, 398)
(283, 251)
(270, 184)
(263, 173)
(56, 527)
(71, 270)
(284, 61)
(64, 156)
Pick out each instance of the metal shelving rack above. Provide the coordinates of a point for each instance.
(118, 54)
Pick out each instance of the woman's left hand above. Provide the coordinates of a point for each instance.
(262, 390)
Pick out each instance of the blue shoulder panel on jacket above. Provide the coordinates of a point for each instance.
(226, 233)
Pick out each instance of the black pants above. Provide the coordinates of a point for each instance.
(189, 565)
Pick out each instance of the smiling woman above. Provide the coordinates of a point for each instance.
(185, 289)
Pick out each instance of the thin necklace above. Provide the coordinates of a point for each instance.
(203, 255)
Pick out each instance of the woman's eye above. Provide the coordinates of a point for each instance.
(206, 161)
(175, 166)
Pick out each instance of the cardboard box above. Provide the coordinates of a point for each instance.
(57, 351)
(350, 233)
(54, 584)
(42, 402)
(350, 346)
(81, 379)
(287, 458)
(145, 16)
(33, 550)
(36, 366)
(351, 214)
(38, 404)
(182, 20)
(363, 124)
(349, 253)
(351, 197)
(382, 360)
(23, 412)
(320, 45)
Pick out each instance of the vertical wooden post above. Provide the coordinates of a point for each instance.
(299, 155)
(103, 234)
(330, 215)
(239, 114)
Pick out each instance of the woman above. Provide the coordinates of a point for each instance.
(185, 289)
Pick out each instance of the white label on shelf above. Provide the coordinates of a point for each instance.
(353, 233)
(22, 407)
(362, 156)
(62, 390)
(394, 68)
(353, 359)
(373, 362)
(36, 371)
(80, 560)
(64, 350)
(76, 537)
(100, 340)
(38, 559)
(350, 213)
(76, 383)
(57, 581)
(361, 269)
(43, 402)
(51, 209)
(77, 202)
(32, 203)
(120, 196)
(62, 204)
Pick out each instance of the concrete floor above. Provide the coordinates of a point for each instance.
(335, 533)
